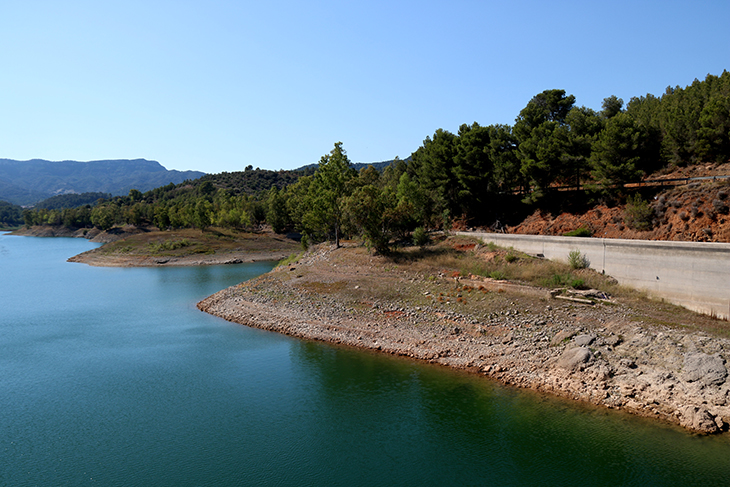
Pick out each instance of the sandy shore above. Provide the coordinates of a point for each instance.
(600, 354)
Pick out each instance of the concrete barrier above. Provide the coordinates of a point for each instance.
(695, 275)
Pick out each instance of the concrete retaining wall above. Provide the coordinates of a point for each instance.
(692, 274)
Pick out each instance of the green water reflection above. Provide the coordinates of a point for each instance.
(112, 376)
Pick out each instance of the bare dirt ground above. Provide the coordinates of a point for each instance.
(625, 352)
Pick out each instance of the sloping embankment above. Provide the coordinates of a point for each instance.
(601, 354)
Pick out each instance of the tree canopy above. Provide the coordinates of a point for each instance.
(475, 175)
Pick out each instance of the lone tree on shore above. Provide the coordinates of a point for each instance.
(328, 192)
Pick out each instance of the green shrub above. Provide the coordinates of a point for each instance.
(420, 237)
(578, 260)
(577, 283)
(638, 214)
(291, 259)
(497, 275)
(510, 257)
(579, 232)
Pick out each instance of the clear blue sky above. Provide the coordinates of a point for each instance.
(218, 85)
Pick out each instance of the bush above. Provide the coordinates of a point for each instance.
(577, 283)
(497, 275)
(578, 260)
(564, 280)
(420, 237)
(579, 232)
(720, 207)
(305, 242)
(638, 214)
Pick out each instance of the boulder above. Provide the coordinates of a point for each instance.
(704, 368)
(698, 419)
(572, 359)
(584, 340)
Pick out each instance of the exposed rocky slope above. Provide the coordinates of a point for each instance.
(648, 358)
(698, 211)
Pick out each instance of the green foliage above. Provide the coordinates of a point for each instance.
(10, 215)
(579, 232)
(277, 214)
(498, 275)
(432, 167)
(473, 177)
(420, 237)
(638, 214)
(327, 195)
(612, 106)
(576, 260)
(564, 280)
(617, 153)
(290, 260)
(367, 210)
(72, 200)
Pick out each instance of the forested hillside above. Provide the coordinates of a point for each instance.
(72, 200)
(27, 182)
(556, 155)
(10, 215)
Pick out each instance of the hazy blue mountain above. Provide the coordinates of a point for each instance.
(27, 182)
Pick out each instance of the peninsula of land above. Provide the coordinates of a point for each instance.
(132, 246)
(608, 346)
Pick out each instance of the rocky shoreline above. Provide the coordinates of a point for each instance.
(219, 258)
(598, 353)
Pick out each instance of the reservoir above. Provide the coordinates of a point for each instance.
(111, 376)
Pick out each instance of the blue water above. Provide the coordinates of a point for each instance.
(111, 376)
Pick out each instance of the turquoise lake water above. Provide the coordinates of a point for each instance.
(111, 376)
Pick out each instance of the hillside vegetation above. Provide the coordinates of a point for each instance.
(558, 157)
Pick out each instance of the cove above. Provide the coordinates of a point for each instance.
(111, 376)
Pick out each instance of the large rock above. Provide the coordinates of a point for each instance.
(707, 369)
(572, 359)
(584, 340)
(698, 419)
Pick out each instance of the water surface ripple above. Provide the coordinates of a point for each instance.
(112, 376)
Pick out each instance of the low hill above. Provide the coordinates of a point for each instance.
(27, 182)
(71, 200)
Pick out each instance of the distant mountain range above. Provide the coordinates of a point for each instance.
(27, 182)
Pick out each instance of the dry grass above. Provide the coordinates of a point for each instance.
(184, 242)
(448, 276)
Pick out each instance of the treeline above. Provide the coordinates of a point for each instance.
(475, 175)
(71, 200)
(236, 199)
(10, 215)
